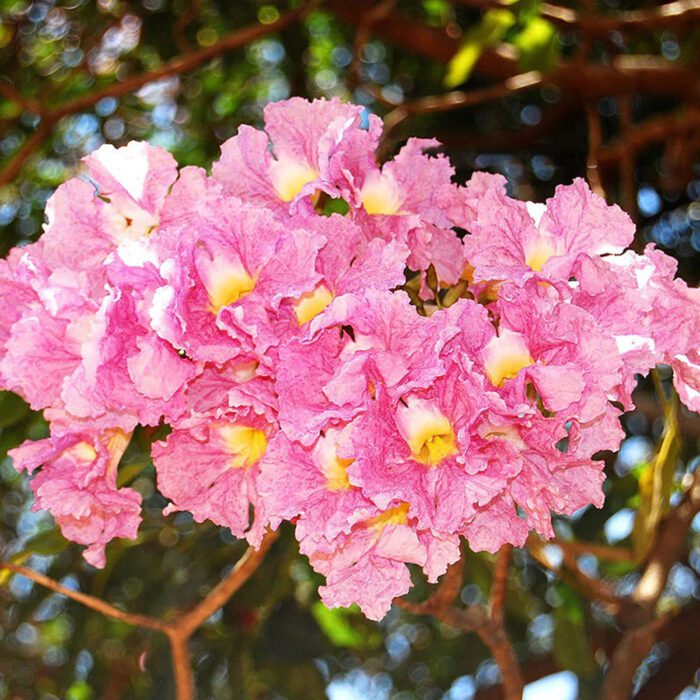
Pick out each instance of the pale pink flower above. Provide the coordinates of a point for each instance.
(77, 485)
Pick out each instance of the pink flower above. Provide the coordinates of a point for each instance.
(651, 316)
(411, 184)
(212, 470)
(227, 276)
(88, 220)
(311, 484)
(77, 485)
(379, 339)
(368, 566)
(125, 370)
(306, 148)
(512, 240)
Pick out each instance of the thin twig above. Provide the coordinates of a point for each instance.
(595, 141)
(601, 551)
(186, 61)
(184, 21)
(178, 630)
(245, 567)
(10, 93)
(652, 130)
(26, 150)
(500, 583)
(591, 589)
(678, 13)
(629, 186)
(96, 604)
(475, 618)
(458, 99)
(180, 64)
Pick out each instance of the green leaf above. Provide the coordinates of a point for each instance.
(335, 206)
(12, 409)
(656, 482)
(571, 647)
(128, 472)
(336, 624)
(538, 45)
(488, 32)
(80, 690)
(46, 543)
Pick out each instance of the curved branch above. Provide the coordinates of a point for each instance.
(189, 621)
(675, 13)
(25, 152)
(181, 64)
(87, 600)
(185, 62)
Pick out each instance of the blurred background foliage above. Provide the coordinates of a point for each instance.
(541, 93)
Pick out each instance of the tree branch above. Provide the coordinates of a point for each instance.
(26, 150)
(679, 13)
(595, 141)
(185, 62)
(458, 99)
(87, 600)
(181, 64)
(500, 584)
(637, 641)
(189, 621)
(180, 629)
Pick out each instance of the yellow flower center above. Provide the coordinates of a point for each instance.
(436, 447)
(83, 451)
(427, 431)
(311, 304)
(333, 467)
(379, 196)
(226, 284)
(289, 177)
(393, 516)
(505, 355)
(244, 444)
(336, 472)
(539, 251)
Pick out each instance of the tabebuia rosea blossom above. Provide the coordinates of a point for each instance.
(389, 360)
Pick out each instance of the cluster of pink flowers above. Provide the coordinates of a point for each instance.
(383, 382)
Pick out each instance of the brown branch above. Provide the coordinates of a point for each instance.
(679, 13)
(652, 130)
(363, 34)
(458, 99)
(182, 669)
(475, 618)
(629, 186)
(245, 567)
(637, 641)
(87, 600)
(500, 583)
(591, 589)
(601, 551)
(10, 93)
(26, 150)
(183, 22)
(185, 62)
(181, 64)
(624, 75)
(669, 544)
(180, 629)
(595, 141)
